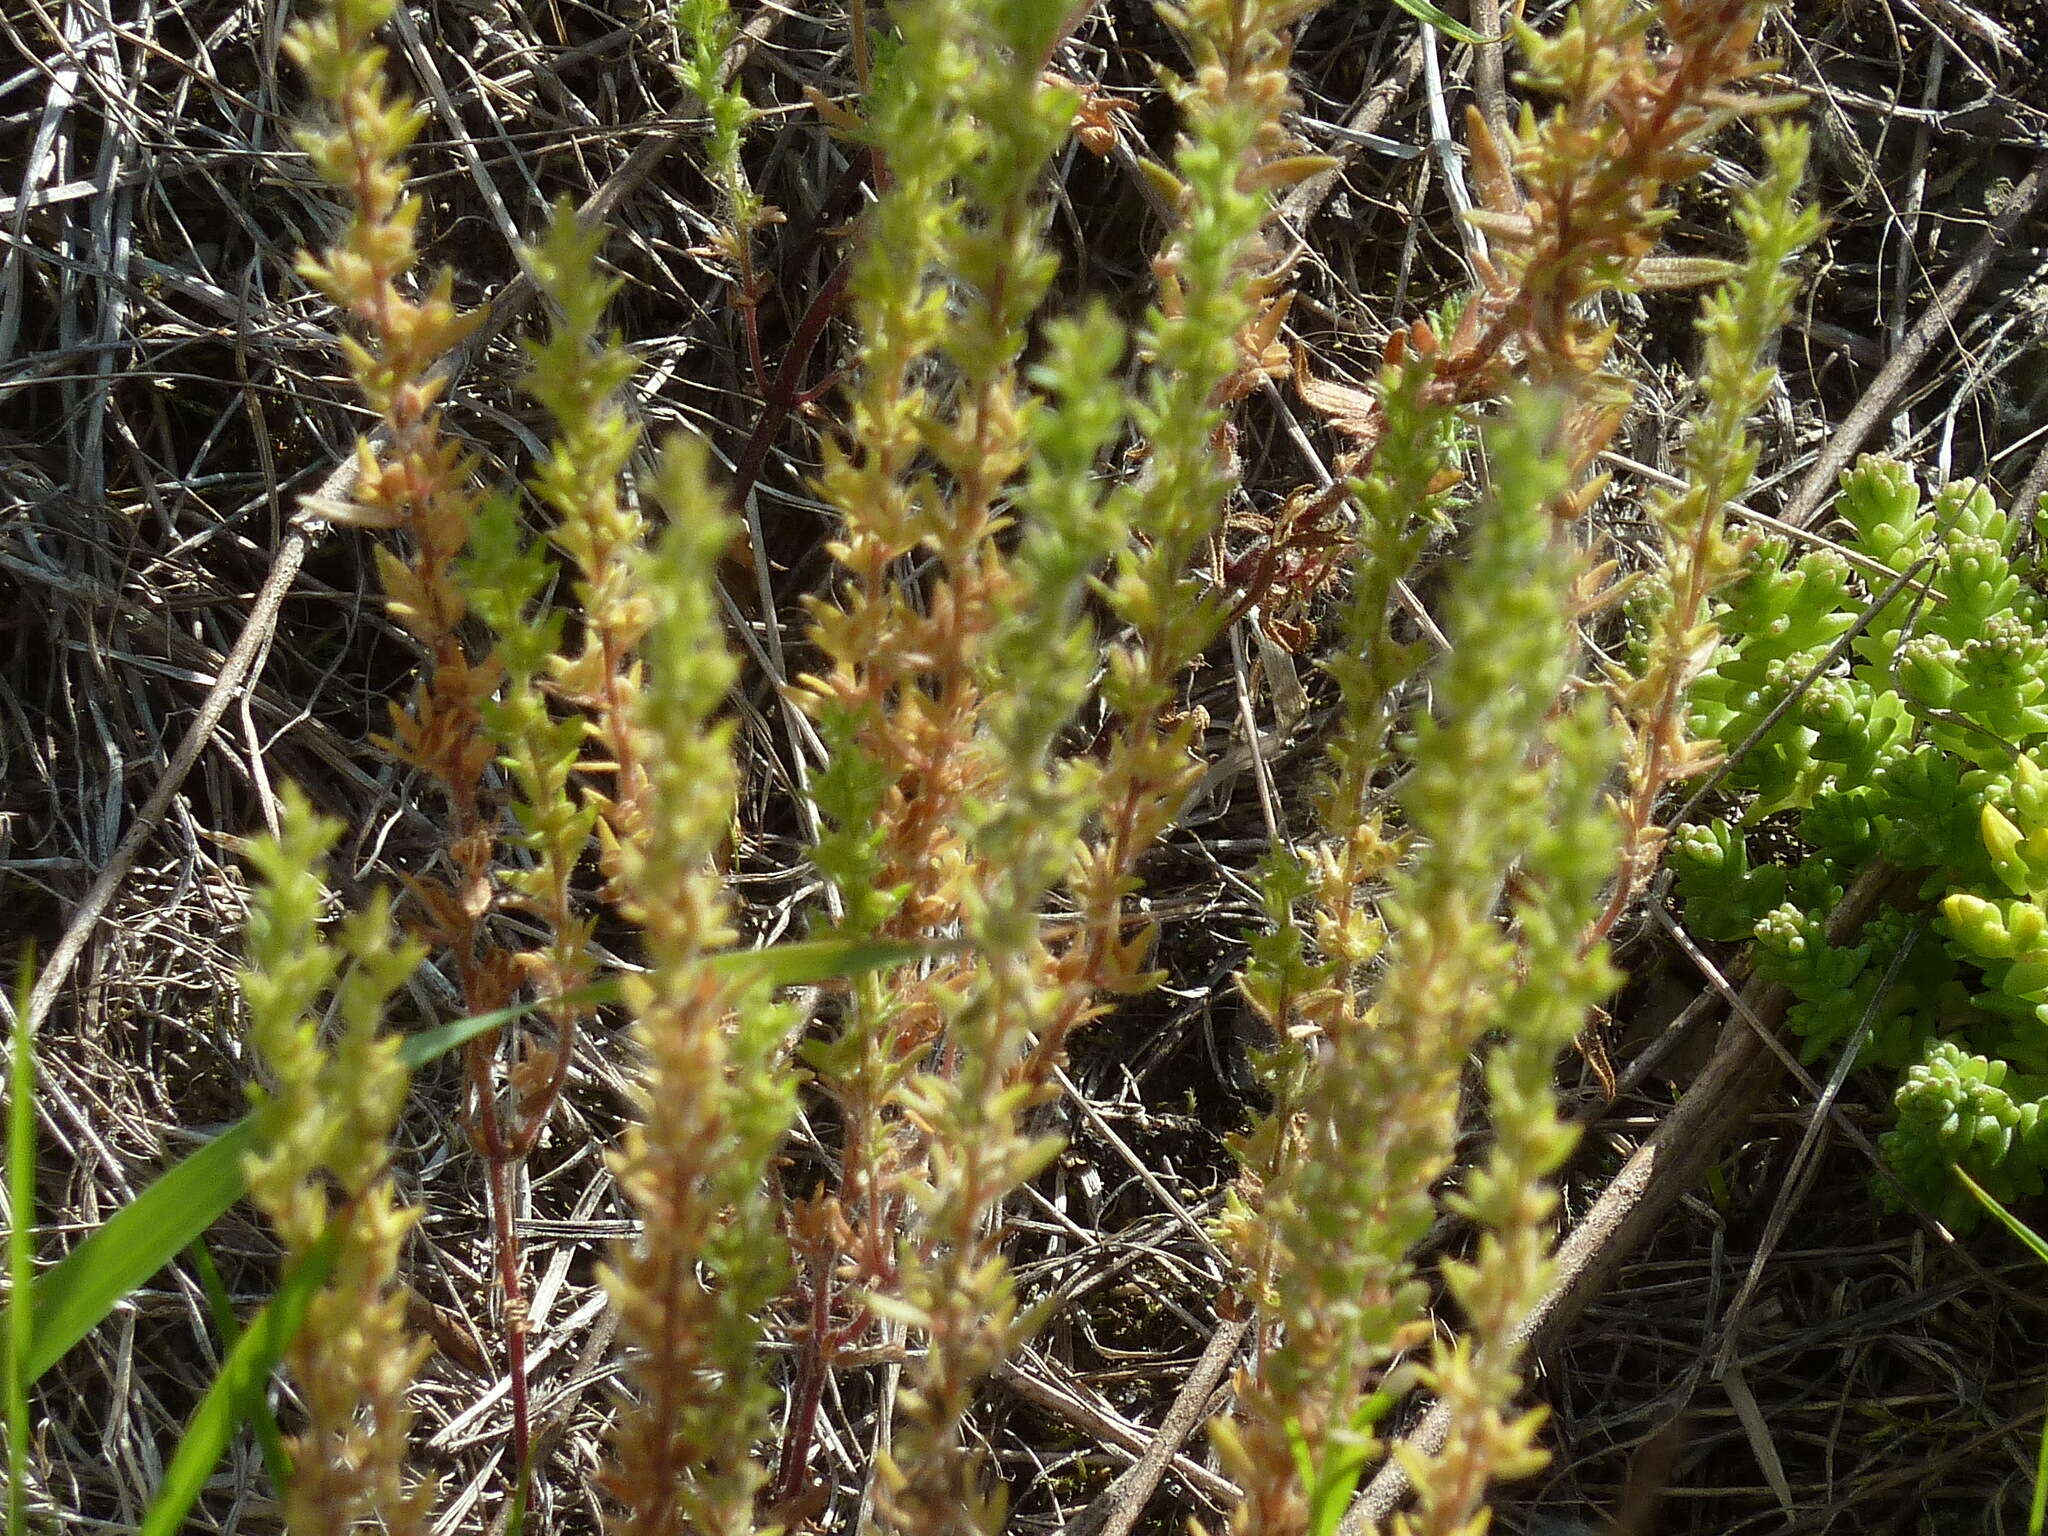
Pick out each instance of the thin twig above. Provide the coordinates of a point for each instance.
(1116, 1509)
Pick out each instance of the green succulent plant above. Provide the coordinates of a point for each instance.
(1883, 699)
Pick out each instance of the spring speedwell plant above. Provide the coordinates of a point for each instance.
(997, 671)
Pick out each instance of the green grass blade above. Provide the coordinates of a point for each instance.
(254, 1408)
(243, 1374)
(2011, 1223)
(134, 1243)
(1434, 16)
(805, 962)
(166, 1218)
(432, 1044)
(2037, 1511)
(21, 1243)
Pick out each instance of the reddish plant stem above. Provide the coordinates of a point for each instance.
(501, 1155)
(786, 393)
(813, 1365)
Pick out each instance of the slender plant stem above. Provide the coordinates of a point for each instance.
(21, 1243)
